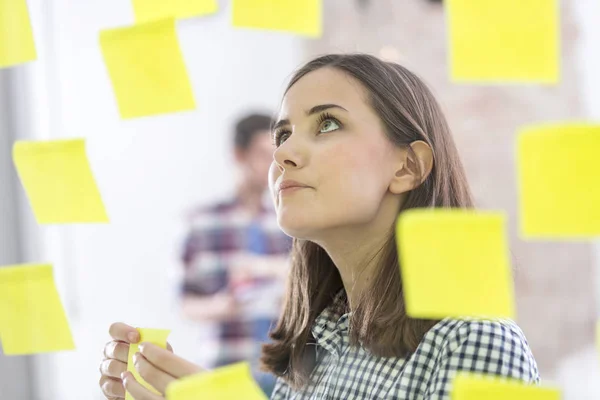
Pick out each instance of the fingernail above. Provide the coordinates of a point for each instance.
(123, 374)
(142, 347)
(133, 337)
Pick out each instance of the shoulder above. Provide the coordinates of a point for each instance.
(223, 205)
(281, 391)
(492, 347)
(498, 334)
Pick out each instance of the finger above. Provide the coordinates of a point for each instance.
(112, 388)
(138, 391)
(163, 359)
(113, 368)
(124, 333)
(154, 376)
(117, 350)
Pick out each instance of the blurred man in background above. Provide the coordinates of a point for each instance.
(235, 257)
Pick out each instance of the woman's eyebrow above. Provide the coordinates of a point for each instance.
(313, 110)
(323, 107)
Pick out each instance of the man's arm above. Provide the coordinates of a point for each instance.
(261, 266)
(204, 287)
(212, 308)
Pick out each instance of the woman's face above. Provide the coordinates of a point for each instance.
(330, 140)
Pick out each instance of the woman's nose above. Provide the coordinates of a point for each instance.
(288, 155)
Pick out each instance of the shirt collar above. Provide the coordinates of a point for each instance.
(332, 324)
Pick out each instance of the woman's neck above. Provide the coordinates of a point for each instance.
(357, 256)
(357, 250)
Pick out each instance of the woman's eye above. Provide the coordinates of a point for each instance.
(281, 137)
(329, 125)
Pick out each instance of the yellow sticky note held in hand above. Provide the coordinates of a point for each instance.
(32, 318)
(154, 336)
(16, 37)
(230, 382)
(559, 181)
(59, 182)
(477, 387)
(146, 69)
(503, 40)
(147, 10)
(303, 17)
(454, 263)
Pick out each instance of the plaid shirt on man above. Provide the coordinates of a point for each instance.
(345, 372)
(224, 236)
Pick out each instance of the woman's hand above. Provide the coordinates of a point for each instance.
(115, 360)
(157, 366)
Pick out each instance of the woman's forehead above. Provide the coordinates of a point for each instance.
(323, 86)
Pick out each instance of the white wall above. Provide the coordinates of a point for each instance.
(579, 374)
(588, 14)
(149, 170)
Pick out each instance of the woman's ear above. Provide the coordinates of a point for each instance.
(415, 168)
(424, 158)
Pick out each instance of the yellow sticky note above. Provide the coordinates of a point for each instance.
(154, 336)
(468, 386)
(303, 17)
(147, 70)
(59, 182)
(32, 318)
(454, 263)
(16, 37)
(503, 40)
(230, 382)
(559, 181)
(147, 10)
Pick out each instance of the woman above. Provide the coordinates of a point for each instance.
(358, 140)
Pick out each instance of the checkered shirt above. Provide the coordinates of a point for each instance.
(220, 237)
(346, 372)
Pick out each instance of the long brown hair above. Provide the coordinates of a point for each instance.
(409, 112)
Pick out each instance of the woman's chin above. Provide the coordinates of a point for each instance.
(295, 228)
(296, 232)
